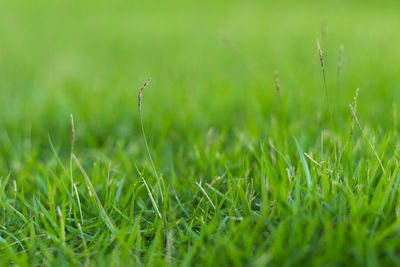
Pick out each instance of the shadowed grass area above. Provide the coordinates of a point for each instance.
(241, 175)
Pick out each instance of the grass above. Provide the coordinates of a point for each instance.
(216, 168)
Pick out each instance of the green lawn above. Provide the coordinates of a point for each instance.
(232, 174)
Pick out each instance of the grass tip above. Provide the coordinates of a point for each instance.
(140, 95)
(321, 58)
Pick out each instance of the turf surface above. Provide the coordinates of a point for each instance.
(240, 175)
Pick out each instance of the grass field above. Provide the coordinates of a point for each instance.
(232, 174)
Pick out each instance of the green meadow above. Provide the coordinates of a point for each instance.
(218, 168)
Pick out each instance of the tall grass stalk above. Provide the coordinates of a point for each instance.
(140, 95)
(278, 87)
(321, 58)
(283, 111)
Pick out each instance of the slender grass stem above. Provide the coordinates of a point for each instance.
(366, 138)
(282, 108)
(327, 93)
(278, 87)
(150, 194)
(79, 203)
(325, 84)
(94, 194)
(150, 157)
(327, 97)
(205, 193)
(145, 139)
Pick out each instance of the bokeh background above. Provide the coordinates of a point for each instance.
(211, 64)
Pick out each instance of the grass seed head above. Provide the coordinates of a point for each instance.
(355, 100)
(321, 58)
(141, 94)
(355, 116)
(278, 87)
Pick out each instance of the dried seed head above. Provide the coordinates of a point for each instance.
(340, 58)
(72, 130)
(321, 58)
(141, 94)
(278, 87)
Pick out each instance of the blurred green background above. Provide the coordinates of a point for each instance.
(211, 64)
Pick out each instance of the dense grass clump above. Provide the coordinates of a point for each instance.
(241, 153)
